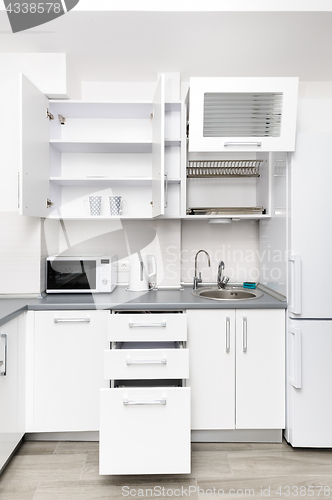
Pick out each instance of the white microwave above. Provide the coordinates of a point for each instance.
(81, 274)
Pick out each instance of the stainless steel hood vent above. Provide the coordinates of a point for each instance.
(237, 114)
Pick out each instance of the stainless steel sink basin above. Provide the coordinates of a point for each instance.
(228, 293)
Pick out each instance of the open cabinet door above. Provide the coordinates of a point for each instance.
(158, 150)
(34, 153)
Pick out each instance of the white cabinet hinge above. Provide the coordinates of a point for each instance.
(49, 115)
(62, 120)
(49, 203)
(152, 115)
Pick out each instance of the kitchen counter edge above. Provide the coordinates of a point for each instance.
(121, 299)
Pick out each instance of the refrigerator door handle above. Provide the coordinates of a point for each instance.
(295, 377)
(296, 283)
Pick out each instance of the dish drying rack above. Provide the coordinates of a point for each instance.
(223, 168)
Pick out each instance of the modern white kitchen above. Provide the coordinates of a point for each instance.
(165, 304)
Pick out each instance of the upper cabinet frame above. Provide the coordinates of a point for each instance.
(242, 114)
(73, 149)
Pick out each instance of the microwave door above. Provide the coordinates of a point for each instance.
(76, 276)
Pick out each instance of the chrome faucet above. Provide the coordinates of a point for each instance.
(198, 279)
(221, 280)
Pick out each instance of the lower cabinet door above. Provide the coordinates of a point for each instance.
(9, 435)
(260, 369)
(68, 369)
(211, 344)
(145, 430)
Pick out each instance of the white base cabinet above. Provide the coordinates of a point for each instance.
(68, 370)
(239, 376)
(145, 415)
(211, 344)
(145, 430)
(260, 369)
(12, 397)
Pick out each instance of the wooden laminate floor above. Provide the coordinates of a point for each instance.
(69, 471)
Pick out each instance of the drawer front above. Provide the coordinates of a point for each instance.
(145, 431)
(59, 321)
(147, 327)
(132, 364)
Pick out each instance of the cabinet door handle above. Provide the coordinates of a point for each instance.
(296, 363)
(127, 402)
(166, 190)
(242, 144)
(147, 325)
(228, 334)
(244, 334)
(4, 362)
(296, 305)
(162, 361)
(71, 320)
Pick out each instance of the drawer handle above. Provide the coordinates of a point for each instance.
(147, 325)
(242, 143)
(162, 361)
(244, 334)
(127, 402)
(71, 320)
(4, 372)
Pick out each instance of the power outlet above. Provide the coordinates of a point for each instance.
(124, 266)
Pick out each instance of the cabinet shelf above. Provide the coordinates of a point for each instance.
(171, 142)
(105, 181)
(233, 216)
(98, 217)
(86, 109)
(101, 147)
(101, 181)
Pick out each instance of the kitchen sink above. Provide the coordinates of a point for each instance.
(227, 293)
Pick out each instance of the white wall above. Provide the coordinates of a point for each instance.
(19, 254)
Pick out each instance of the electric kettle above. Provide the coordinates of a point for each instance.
(141, 268)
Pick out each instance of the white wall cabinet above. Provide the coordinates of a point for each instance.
(242, 114)
(12, 397)
(68, 369)
(228, 186)
(240, 383)
(103, 149)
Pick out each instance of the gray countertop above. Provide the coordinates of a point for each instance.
(120, 298)
(10, 308)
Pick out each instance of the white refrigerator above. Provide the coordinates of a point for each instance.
(309, 328)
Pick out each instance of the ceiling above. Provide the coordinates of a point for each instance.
(135, 46)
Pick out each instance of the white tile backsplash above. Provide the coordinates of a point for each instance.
(19, 253)
(235, 243)
(173, 242)
(161, 238)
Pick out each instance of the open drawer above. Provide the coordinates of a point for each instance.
(146, 360)
(145, 430)
(145, 327)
